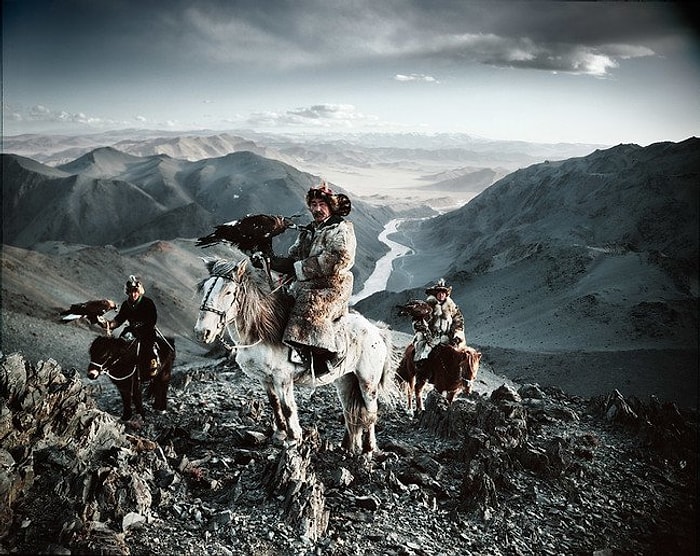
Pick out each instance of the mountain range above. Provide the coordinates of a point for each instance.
(107, 197)
(561, 267)
(595, 256)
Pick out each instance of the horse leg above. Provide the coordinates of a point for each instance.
(359, 402)
(420, 384)
(410, 392)
(284, 409)
(137, 397)
(280, 432)
(160, 386)
(125, 393)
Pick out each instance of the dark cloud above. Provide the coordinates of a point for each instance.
(542, 35)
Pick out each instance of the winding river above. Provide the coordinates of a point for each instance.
(379, 278)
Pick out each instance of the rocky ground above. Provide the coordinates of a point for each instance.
(532, 471)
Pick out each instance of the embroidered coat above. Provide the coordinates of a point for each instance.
(323, 255)
(446, 322)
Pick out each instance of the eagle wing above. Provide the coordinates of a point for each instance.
(251, 233)
(416, 309)
(91, 310)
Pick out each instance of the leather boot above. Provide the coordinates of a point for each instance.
(153, 367)
(320, 364)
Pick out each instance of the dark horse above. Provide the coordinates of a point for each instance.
(118, 359)
(450, 370)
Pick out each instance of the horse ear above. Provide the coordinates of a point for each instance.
(208, 262)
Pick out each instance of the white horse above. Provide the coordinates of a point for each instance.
(239, 296)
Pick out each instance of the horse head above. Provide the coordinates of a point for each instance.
(106, 352)
(249, 298)
(219, 297)
(469, 365)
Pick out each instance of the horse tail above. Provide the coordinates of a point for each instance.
(387, 383)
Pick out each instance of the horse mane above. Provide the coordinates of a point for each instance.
(263, 311)
(103, 344)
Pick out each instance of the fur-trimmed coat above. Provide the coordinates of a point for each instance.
(323, 258)
(446, 323)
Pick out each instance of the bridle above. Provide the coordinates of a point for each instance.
(205, 306)
(223, 322)
(110, 362)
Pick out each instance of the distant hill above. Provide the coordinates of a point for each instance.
(107, 197)
(468, 180)
(352, 150)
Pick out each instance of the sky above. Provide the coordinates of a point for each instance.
(600, 73)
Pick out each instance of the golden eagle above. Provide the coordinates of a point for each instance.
(417, 309)
(251, 233)
(90, 310)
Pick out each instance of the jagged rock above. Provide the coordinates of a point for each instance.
(478, 491)
(132, 519)
(505, 393)
(541, 475)
(531, 391)
(303, 495)
(371, 503)
(619, 410)
(343, 477)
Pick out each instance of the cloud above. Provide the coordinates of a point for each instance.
(42, 114)
(525, 53)
(318, 115)
(589, 40)
(580, 37)
(415, 77)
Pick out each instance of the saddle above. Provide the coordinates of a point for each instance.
(319, 360)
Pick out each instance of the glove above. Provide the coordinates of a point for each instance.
(285, 265)
(257, 260)
(420, 326)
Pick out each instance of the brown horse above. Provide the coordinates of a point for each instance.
(450, 370)
(118, 359)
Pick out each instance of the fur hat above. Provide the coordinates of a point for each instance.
(439, 286)
(338, 203)
(134, 283)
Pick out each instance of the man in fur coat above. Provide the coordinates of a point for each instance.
(320, 261)
(444, 326)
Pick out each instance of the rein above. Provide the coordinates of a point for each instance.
(110, 362)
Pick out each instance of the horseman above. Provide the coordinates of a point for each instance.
(445, 325)
(319, 262)
(141, 313)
